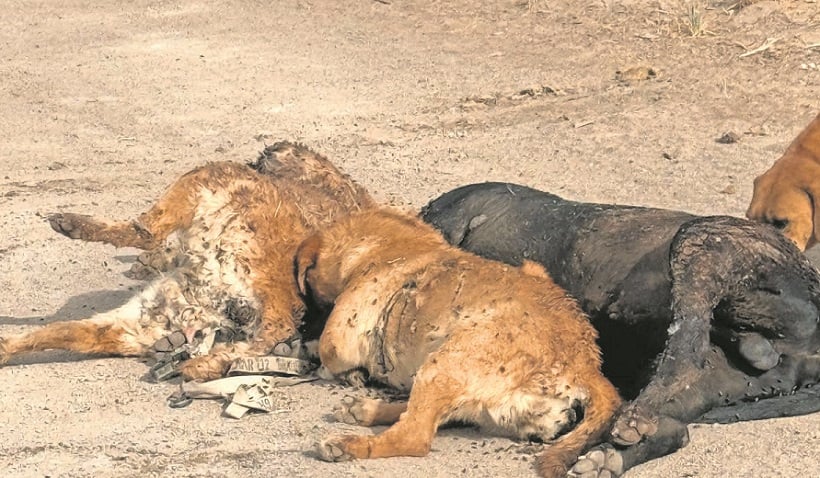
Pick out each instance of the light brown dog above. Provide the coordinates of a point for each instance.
(472, 339)
(788, 194)
(233, 230)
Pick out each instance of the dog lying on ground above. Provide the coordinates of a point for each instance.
(473, 340)
(788, 194)
(233, 231)
(663, 289)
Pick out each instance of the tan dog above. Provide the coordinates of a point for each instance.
(235, 231)
(476, 340)
(788, 194)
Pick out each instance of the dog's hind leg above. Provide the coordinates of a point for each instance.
(174, 210)
(117, 332)
(714, 262)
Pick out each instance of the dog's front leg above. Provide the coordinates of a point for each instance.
(432, 397)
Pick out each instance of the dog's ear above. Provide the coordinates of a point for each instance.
(306, 257)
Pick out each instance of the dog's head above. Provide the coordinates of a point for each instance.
(787, 195)
(788, 206)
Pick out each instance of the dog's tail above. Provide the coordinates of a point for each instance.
(598, 414)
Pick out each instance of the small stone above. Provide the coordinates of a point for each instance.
(728, 137)
(637, 73)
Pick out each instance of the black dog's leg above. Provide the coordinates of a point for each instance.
(715, 396)
(683, 360)
(724, 260)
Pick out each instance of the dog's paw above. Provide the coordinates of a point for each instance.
(151, 263)
(141, 272)
(68, 224)
(602, 461)
(333, 449)
(356, 411)
(632, 425)
(203, 368)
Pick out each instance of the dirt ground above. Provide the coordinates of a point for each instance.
(103, 103)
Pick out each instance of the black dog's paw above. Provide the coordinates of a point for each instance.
(602, 461)
(632, 425)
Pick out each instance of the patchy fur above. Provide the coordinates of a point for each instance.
(788, 194)
(231, 232)
(472, 339)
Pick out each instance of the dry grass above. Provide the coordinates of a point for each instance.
(693, 20)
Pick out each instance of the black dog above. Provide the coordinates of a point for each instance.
(694, 313)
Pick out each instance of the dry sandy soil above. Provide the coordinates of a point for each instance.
(104, 103)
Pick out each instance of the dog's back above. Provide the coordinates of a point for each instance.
(589, 249)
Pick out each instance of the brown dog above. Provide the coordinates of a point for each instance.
(476, 340)
(788, 194)
(235, 231)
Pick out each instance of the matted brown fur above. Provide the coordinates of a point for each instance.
(788, 194)
(472, 339)
(233, 230)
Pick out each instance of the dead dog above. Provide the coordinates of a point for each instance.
(693, 312)
(473, 340)
(233, 230)
(788, 194)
